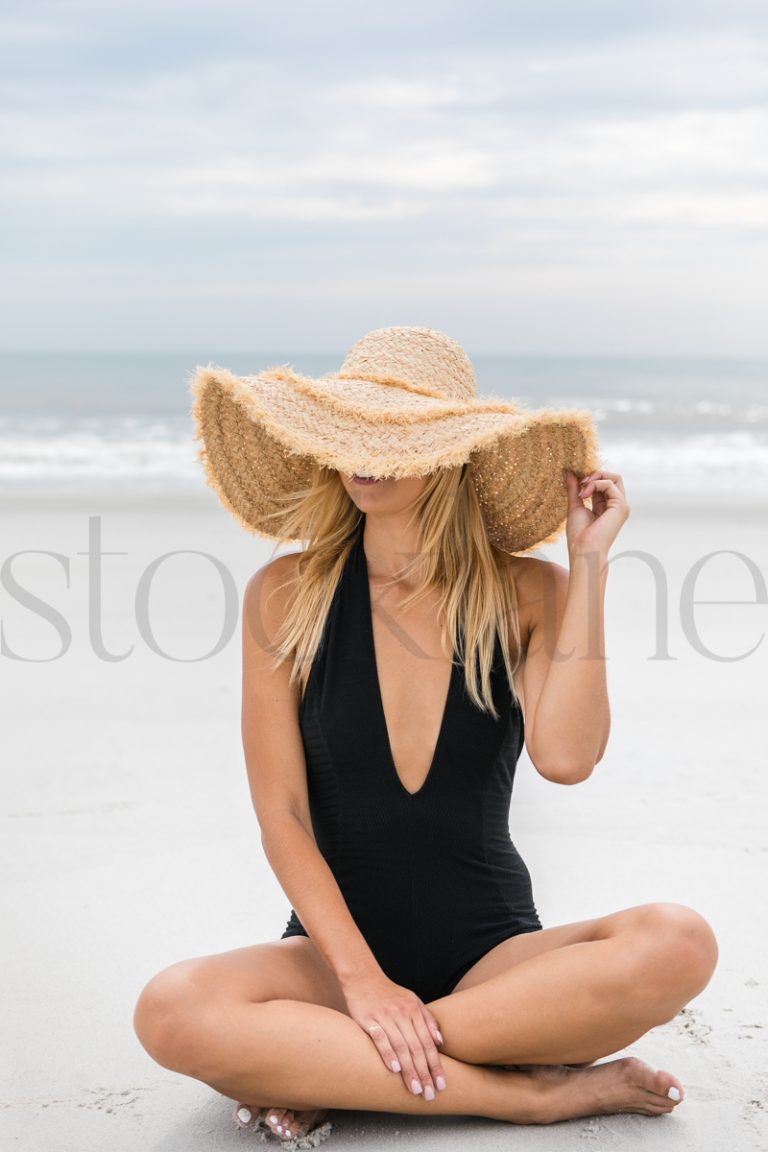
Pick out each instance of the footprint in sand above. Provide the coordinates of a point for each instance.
(690, 1025)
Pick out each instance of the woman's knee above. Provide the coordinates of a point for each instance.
(169, 1017)
(683, 944)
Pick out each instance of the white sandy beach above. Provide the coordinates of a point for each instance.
(129, 839)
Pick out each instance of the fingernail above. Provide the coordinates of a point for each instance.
(395, 1066)
(244, 1115)
(287, 1131)
(674, 1093)
(429, 1092)
(416, 1087)
(273, 1119)
(439, 1035)
(279, 1127)
(440, 1081)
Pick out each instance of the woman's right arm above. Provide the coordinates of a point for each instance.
(277, 778)
(276, 767)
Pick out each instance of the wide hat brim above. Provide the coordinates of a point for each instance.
(261, 434)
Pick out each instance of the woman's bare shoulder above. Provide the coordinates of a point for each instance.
(267, 597)
(539, 583)
(275, 576)
(277, 569)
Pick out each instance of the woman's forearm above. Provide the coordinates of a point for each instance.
(573, 707)
(311, 887)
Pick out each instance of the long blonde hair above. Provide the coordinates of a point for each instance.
(478, 598)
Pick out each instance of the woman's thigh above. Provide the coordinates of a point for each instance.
(180, 1014)
(180, 1002)
(523, 947)
(657, 923)
(290, 969)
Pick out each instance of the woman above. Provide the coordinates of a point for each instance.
(392, 673)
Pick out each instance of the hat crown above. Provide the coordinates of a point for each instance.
(420, 359)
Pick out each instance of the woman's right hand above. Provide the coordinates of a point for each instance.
(403, 1029)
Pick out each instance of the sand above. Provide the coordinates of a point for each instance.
(130, 842)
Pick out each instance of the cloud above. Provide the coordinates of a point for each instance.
(452, 137)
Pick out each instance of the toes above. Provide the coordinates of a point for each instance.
(653, 1109)
(659, 1084)
(288, 1125)
(244, 1115)
(668, 1086)
(278, 1119)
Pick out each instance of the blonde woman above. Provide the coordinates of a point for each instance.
(393, 671)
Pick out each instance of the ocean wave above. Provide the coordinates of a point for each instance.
(733, 452)
(125, 447)
(132, 447)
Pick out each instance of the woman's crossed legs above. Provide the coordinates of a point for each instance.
(267, 1025)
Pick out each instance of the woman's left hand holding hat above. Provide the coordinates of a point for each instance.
(594, 530)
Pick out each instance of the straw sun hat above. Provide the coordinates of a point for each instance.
(404, 403)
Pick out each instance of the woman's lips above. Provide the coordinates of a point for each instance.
(365, 480)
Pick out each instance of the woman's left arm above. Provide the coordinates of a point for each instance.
(567, 715)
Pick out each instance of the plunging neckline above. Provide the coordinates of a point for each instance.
(380, 698)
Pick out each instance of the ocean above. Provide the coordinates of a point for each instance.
(72, 420)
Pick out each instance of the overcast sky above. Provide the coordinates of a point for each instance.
(537, 177)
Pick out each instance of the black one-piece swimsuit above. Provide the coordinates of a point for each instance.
(431, 878)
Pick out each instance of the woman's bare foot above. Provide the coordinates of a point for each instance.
(558, 1092)
(283, 1122)
(563, 1092)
